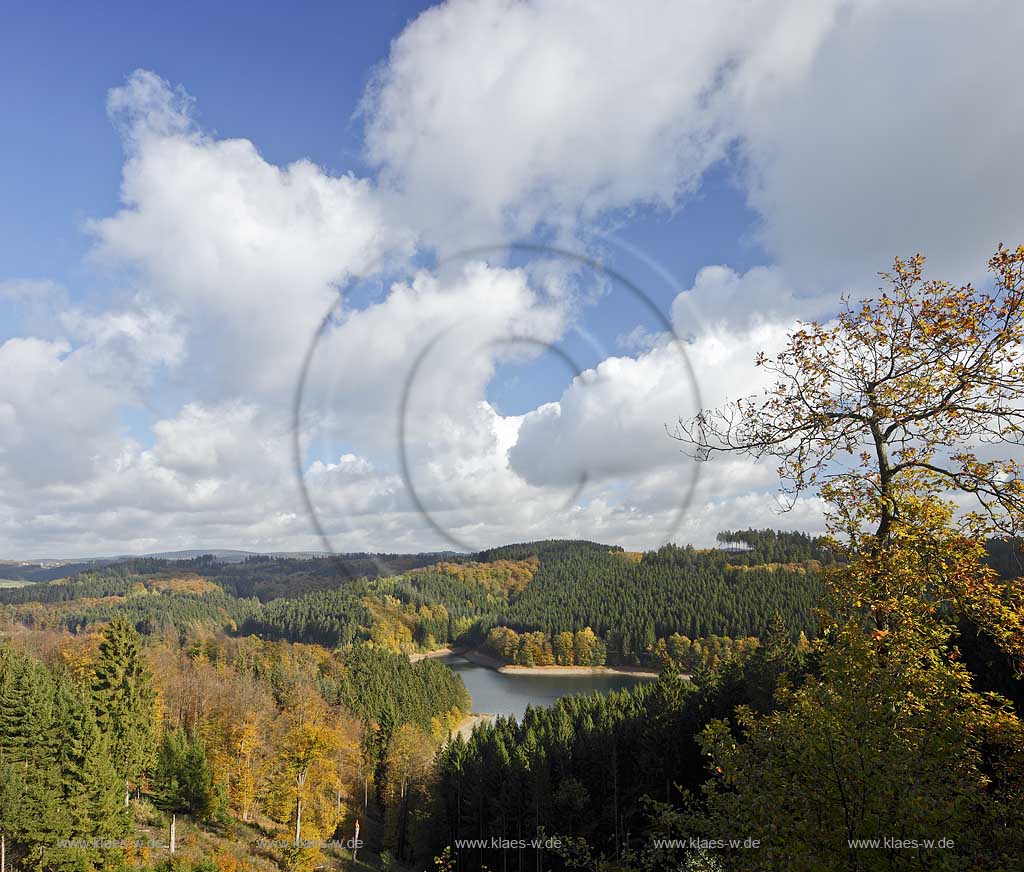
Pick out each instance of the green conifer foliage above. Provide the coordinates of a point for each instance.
(123, 693)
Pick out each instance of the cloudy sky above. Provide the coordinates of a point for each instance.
(200, 207)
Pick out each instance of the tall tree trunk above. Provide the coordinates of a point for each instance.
(174, 822)
(401, 820)
(615, 792)
(888, 510)
(300, 782)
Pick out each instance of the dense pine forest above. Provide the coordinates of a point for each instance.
(246, 701)
(263, 726)
(629, 601)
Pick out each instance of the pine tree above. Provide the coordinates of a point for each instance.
(90, 788)
(124, 699)
(183, 776)
(32, 814)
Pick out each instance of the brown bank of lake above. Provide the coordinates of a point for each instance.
(466, 725)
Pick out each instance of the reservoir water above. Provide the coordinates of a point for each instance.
(502, 694)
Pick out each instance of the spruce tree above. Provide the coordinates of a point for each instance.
(32, 814)
(183, 778)
(90, 787)
(124, 697)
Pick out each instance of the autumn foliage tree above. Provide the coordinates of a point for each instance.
(246, 761)
(888, 410)
(305, 775)
(893, 413)
(409, 768)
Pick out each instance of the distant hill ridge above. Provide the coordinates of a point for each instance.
(539, 591)
(52, 568)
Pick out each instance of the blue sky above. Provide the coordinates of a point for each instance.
(291, 82)
(287, 79)
(187, 188)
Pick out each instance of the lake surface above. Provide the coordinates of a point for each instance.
(502, 694)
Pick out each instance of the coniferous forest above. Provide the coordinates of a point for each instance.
(149, 680)
(195, 688)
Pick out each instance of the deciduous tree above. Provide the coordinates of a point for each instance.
(882, 412)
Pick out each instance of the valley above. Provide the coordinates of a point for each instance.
(240, 660)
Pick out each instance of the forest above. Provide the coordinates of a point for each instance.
(251, 701)
(218, 695)
(629, 601)
(107, 737)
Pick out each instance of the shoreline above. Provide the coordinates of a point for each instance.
(481, 659)
(497, 665)
(436, 652)
(490, 662)
(469, 722)
(570, 671)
